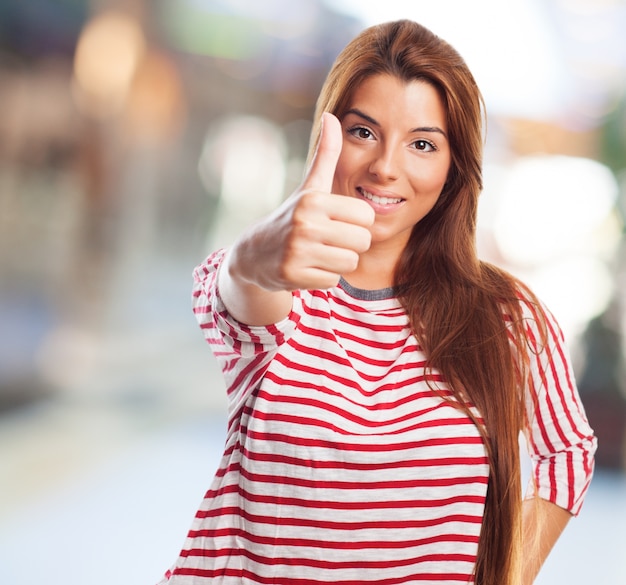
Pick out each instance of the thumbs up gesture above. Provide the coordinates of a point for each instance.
(315, 236)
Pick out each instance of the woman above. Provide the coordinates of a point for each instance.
(378, 373)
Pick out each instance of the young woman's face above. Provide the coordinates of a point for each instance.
(395, 155)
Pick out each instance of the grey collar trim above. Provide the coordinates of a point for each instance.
(367, 295)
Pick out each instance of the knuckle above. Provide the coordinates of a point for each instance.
(351, 261)
(301, 216)
(307, 202)
(303, 231)
(291, 253)
(287, 275)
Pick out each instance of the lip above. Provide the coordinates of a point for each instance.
(381, 207)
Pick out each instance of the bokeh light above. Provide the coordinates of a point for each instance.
(108, 53)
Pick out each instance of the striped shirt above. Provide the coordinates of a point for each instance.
(345, 462)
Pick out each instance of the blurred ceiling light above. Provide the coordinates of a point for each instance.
(156, 107)
(256, 146)
(552, 206)
(576, 289)
(244, 142)
(552, 221)
(108, 52)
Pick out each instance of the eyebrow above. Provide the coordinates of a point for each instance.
(374, 122)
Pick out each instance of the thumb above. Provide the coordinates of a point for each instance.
(322, 170)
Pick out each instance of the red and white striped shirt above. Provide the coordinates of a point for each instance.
(342, 465)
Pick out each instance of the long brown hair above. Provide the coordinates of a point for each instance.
(455, 302)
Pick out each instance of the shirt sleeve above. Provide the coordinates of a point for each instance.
(561, 443)
(243, 352)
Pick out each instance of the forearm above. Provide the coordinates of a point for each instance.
(246, 301)
(543, 523)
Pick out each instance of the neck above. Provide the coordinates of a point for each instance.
(375, 271)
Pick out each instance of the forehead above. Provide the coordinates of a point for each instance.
(417, 98)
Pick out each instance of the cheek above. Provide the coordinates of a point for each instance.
(431, 186)
(438, 178)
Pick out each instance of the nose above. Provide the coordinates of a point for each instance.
(385, 163)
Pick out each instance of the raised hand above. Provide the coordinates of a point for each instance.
(315, 236)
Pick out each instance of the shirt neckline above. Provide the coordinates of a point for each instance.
(362, 294)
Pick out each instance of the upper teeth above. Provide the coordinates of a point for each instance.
(379, 200)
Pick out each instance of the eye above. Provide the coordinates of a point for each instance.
(361, 132)
(424, 146)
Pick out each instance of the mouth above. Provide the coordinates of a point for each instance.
(378, 199)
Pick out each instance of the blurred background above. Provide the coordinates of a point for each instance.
(138, 136)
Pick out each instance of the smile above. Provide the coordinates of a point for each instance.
(379, 200)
